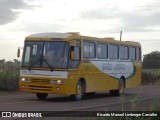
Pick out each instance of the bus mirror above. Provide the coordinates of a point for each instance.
(18, 52)
(75, 53)
(72, 55)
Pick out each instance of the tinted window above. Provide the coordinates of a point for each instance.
(86, 50)
(102, 51)
(138, 53)
(75, 63)
(113, 51)
(89, 50)
(92, 50)
(123, 52)
(132, 53)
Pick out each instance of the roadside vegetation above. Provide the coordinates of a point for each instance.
(151, 77)
(151, 68)
(9, 75)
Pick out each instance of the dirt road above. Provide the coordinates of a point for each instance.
(29, 102)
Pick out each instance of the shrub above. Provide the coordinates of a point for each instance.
(9, 82)
(150, 76)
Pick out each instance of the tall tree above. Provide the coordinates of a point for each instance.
(151, 60)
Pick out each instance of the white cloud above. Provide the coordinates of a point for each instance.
(139, 20)
(8, 10)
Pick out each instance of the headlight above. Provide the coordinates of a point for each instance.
(60, 81)
(24, 80)
(57, 81)
(53, 81)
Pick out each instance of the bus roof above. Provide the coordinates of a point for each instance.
(49, 35)
(76, 35)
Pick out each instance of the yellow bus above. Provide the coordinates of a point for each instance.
(72, 64)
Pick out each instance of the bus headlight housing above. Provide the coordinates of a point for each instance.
(58, 81)
(24, 80)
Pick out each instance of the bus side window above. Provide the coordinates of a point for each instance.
(74, 63)
(132, 53)
(102, 50)
(86, 50)
(99, 51)
(77, 53)
(92, 50)
(89, 50)
(138, 53)
(113, 51)
(123, 52)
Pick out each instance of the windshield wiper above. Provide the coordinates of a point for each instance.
(51, 67)
(38, 60)
(41, 59)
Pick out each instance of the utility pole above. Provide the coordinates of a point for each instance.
(120, 35)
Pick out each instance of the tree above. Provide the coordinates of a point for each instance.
(2, 64)
(16, 64)
(151, 60)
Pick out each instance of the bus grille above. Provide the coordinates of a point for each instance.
(40, 88)
(40, 81)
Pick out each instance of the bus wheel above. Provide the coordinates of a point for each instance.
(121, 87)
(79, 92)
(41, 96)
(120, 90)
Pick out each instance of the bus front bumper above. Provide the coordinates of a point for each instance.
(46, 88)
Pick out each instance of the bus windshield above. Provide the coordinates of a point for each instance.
(45, 54)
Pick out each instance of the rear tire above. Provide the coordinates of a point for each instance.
(120, 90)
(41, 96)
(79, 92)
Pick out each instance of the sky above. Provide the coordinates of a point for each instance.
(138, 19)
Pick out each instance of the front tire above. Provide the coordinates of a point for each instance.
(79, 92)
(41, 96)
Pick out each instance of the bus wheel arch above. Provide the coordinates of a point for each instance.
(80, 90)
(83, 84)
(121, 87)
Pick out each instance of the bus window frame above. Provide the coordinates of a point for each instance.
(88, 57)
(127, 52)
(78, 45)
(102, 50)
(117, 51)
(132, 55)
